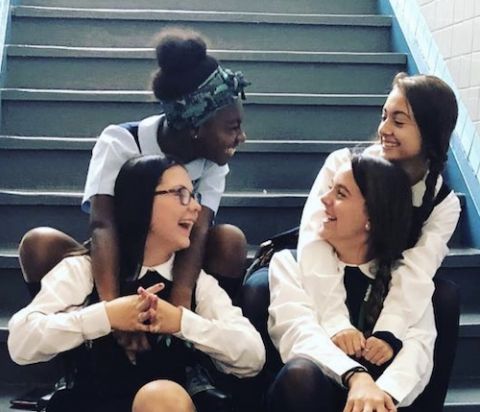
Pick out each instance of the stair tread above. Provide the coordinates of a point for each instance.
(223, 55)
(252, 145)
(147, 97)
(193, 15)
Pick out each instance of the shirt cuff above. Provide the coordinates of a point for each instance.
(389, 337)
(394, 388)
(192, 326)
(95, 323)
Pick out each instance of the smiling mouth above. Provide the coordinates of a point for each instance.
(389, 144)
(231, 151)
(187, 225)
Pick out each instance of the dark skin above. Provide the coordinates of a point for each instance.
(214, 140)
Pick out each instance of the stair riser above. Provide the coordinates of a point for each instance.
(248, 171)
(135, 74)
(277, 6)
(262, 121)
(222, 35)
(17, 219)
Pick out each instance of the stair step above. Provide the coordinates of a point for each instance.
(463, 396)
(22, 211)
(277, 6)
(269, 72)
(267, 115)
(226, 30)
(263, 159)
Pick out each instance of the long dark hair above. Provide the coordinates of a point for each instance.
(388, 200)
(133, 201)
(435, 110)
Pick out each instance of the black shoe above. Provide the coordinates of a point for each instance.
(205, 396)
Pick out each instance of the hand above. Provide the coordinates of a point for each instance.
(351, 341)
(132, 343)
(365, 396)
(124, 312)
(162, 316)
(377, 351)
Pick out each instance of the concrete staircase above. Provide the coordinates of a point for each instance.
(320, 72)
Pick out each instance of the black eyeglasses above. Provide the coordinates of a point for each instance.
(183, 194)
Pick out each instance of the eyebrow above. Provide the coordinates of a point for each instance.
(397, 112)
(340, 186)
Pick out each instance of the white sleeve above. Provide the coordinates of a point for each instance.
(412, 286)
(411, 369)
(219, 329)
(113, 148)
(212, 185)
(293, 324)
(57, 319)
(317, 258)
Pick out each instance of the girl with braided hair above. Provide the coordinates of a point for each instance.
(367, 221)
(418, 119)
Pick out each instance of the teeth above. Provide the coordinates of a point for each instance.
(231, 151)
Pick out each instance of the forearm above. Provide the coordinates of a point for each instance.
(105, 256)
(37, 337)
(188, 262)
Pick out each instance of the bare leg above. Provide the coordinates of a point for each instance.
(160, 396)
(226, 252)
(41, 249)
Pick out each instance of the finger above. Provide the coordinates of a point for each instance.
(377, 356)
(363, 341)
(390, 405)
(349, 345)
(156, 288)
(357, 346)
(371, 352)
(342, 345)
(348, 406)
(358, 406)
(143, 317)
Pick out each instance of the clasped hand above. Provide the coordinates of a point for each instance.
(144, 312)
(353, 343)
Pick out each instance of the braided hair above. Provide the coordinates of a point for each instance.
(435, 110)
(388, 199)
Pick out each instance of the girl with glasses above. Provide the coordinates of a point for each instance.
(154, 221)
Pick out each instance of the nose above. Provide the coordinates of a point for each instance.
(194, 206)
(384, 128)
(326, 198)
(242, 137)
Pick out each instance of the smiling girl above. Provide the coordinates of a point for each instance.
(367, 224)
(417, 121)
(200, 124)
(154, 220)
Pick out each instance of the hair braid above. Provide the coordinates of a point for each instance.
(380, 286)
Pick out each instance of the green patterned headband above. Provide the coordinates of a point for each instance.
(220, 89)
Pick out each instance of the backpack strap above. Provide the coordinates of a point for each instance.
(132, 128)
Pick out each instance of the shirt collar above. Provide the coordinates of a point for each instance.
(165, 269)
(365, 268)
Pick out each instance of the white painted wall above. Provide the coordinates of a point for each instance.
(455, 25)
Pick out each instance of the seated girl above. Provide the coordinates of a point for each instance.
(155, 210)
(367, 221)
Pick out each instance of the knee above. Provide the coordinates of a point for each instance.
(299, 376)
(226, 251)
(160, 396)
(255, 293)
(41, 249)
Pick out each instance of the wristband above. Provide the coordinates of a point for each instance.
(348, 374)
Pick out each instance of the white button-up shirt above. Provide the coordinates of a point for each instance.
(59, 318)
